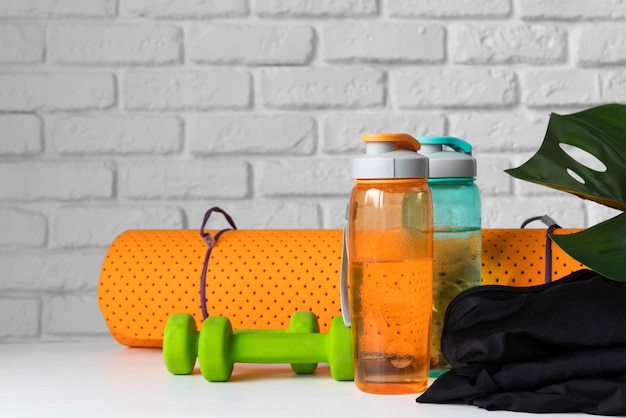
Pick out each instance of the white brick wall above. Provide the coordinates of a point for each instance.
(496, 43)
(58, 8)
(604, 45)
(25, 91)
(250, 44)
(21, 135)
(23, 43)
(180, 90)
(322, 87)
(115, 44)
(383, 42)
(120, 114)
(116, 134)
(428, 88)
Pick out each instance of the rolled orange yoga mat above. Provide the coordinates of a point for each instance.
(258, 278)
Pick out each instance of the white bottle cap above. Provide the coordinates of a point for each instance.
(454, 163)
(390, 156)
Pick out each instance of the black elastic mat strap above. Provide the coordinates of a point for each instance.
(210, 241)
(552, 225)
(548, 272)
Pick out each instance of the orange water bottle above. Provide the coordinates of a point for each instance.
(390, 256)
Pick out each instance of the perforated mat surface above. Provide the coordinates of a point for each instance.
(516, 257)
(258, 278)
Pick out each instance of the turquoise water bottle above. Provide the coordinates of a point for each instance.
(457, 230)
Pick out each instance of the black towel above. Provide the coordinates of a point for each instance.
(557, 347)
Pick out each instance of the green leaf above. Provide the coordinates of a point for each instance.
(602, 247)
(585, 154)
(600, 131)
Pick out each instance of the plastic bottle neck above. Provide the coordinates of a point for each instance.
(390, 181)
(451, 180)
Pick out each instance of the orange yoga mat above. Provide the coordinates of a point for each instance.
(258, 278)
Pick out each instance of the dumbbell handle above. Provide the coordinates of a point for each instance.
(219, 349)
(274, 348)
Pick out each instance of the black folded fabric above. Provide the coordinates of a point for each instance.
(558, 347)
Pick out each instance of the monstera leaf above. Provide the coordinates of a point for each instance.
(585, 154)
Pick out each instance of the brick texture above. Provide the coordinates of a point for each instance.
(322, 88)
(22, 228)
(56, 91)
(51, 270)
(186, 90)
(307, 177)
(183, 179)
(512, 211)
(498, 44)
(501, 131)
(341, 128)
(60, 316)
(115, 44)
(87, 226)
(315, 8)
(601, 45)
(275, 214)
(388, 42)
(572, 9)
(20, 317)
(20, 135)
(450, 8)
(428, 88)
(55, 180)
(143, 114)
(239, 134)
(117, 134)
(172, 9)
(568, 87)
(23, 43)
(58, 8)
(252, 44)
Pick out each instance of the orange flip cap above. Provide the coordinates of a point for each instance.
(401, 140)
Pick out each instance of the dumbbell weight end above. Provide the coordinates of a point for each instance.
(180, 344)
(214, 342)
(340, 356)
(303, 322)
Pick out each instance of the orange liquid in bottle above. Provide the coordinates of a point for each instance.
(390, 278)
(392, 305)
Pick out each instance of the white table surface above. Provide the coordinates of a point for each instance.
(105, 379)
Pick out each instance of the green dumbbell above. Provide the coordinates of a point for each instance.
(180, 341)
(219, 348)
